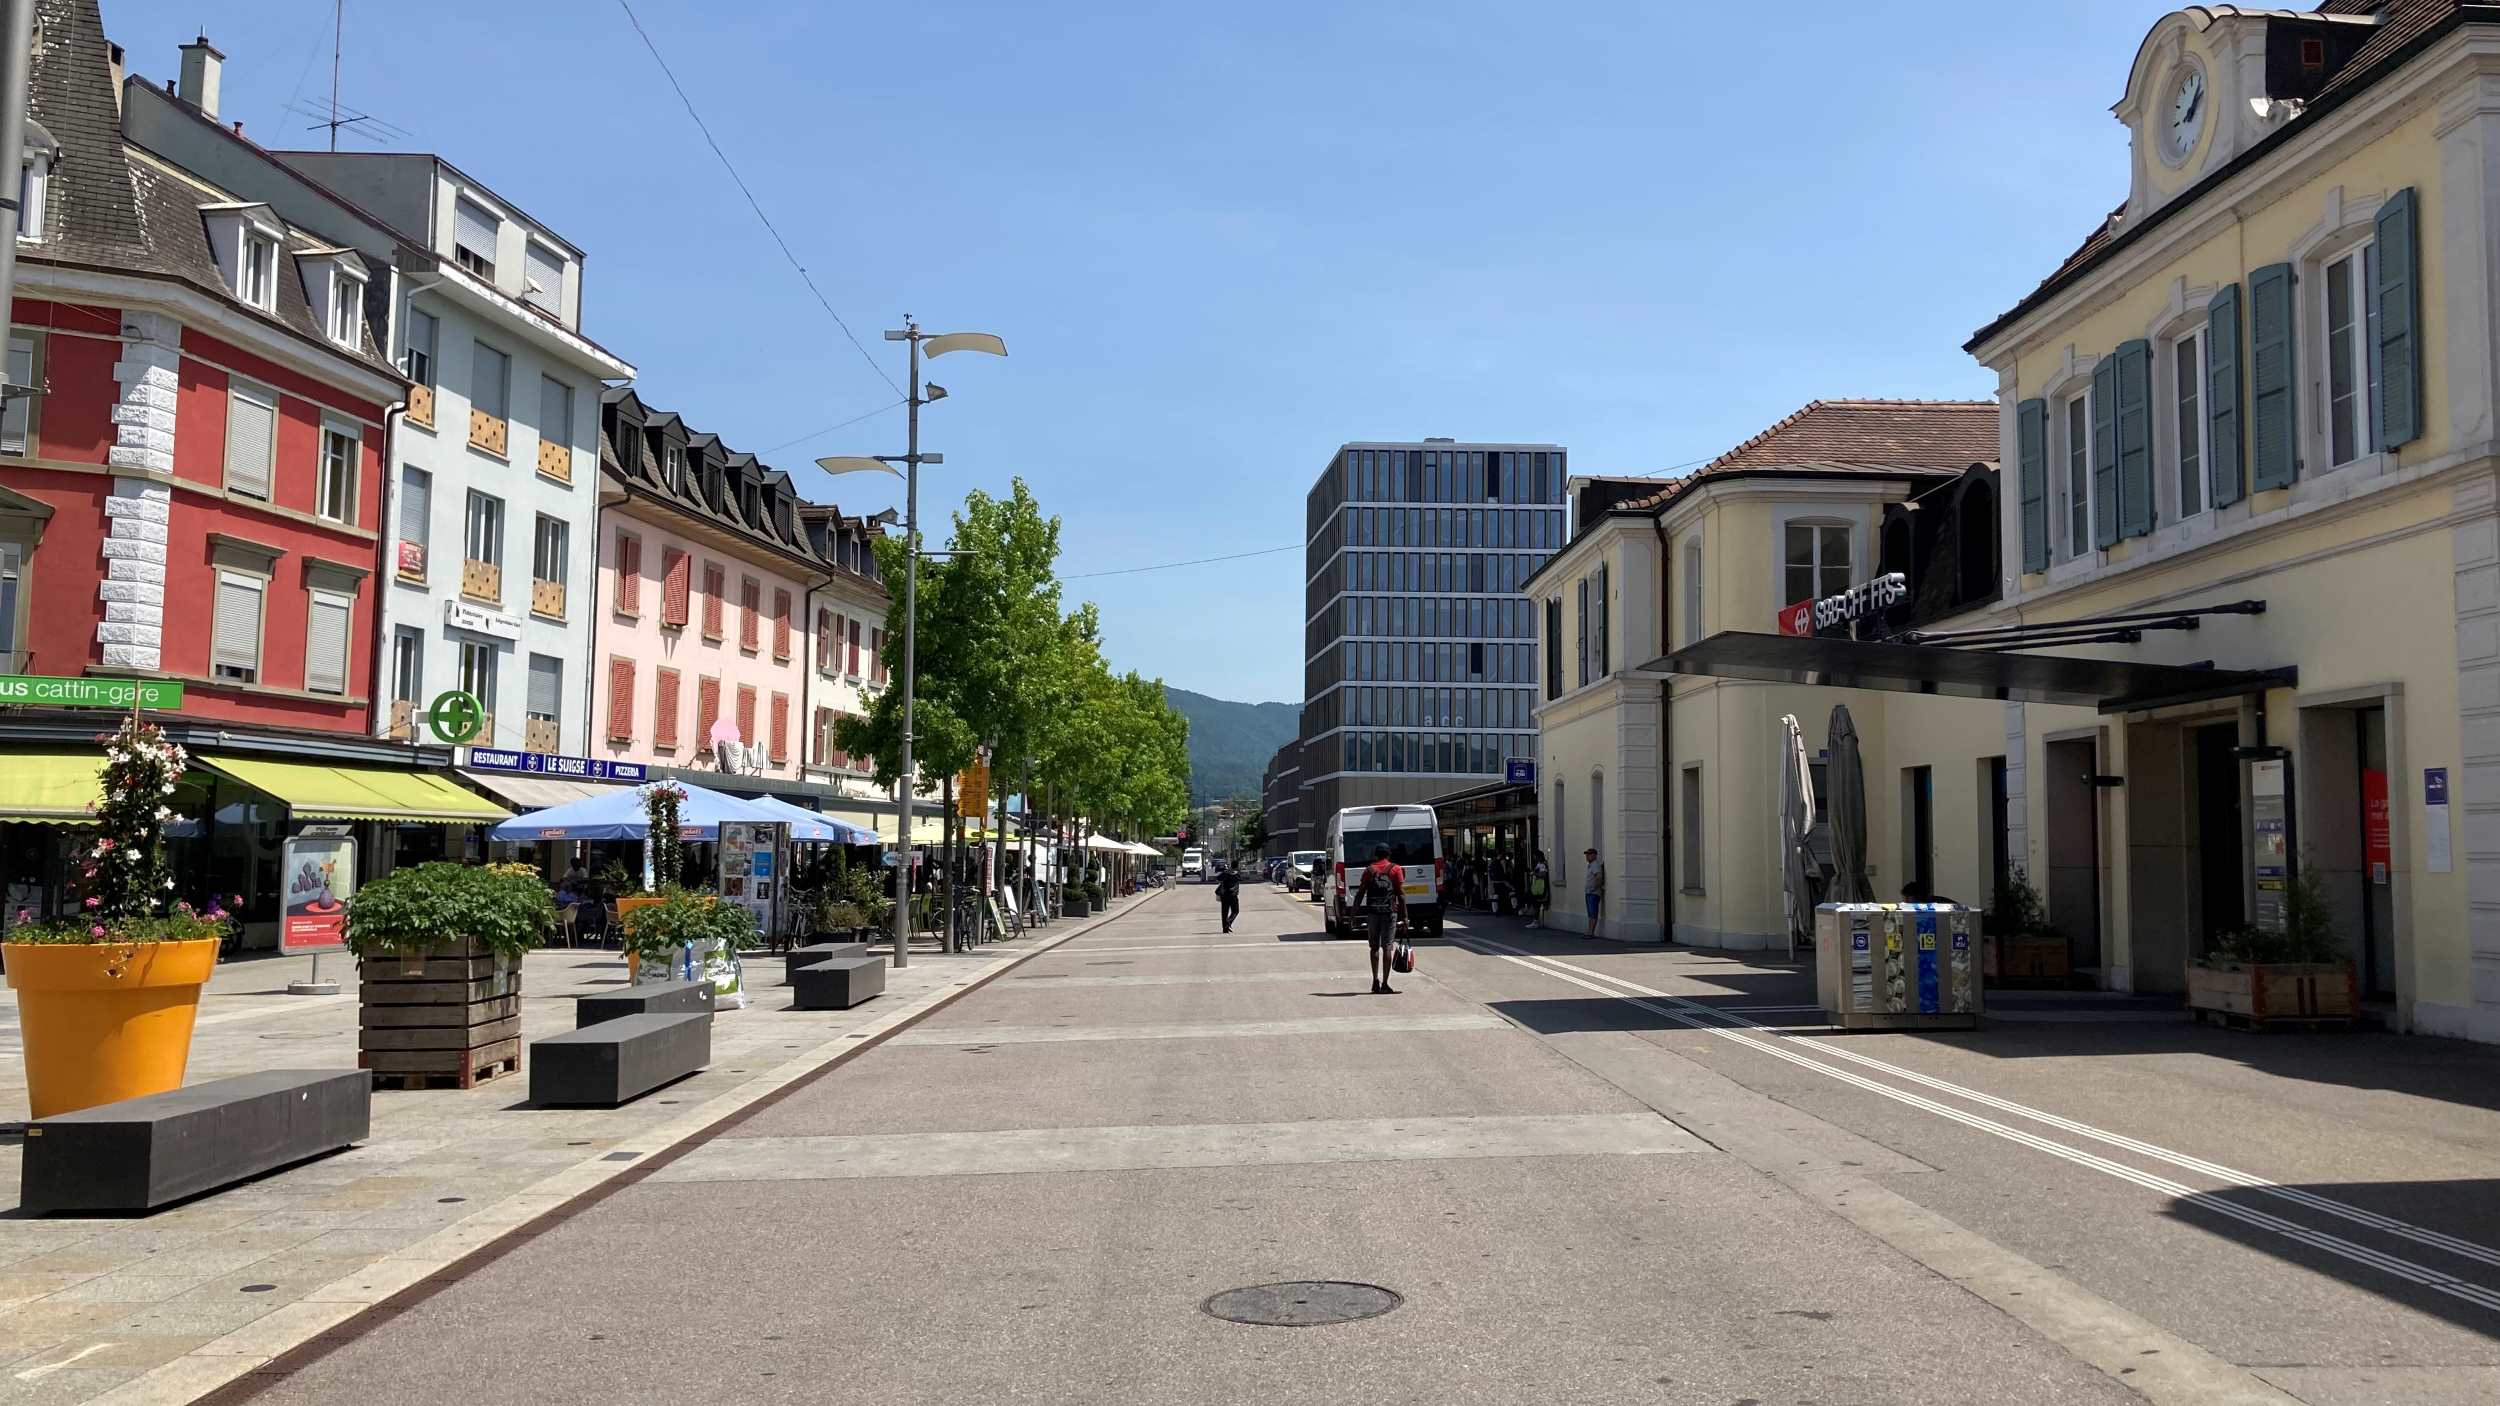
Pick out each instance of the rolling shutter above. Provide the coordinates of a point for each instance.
(546, 698)
(2398, 293)
(674, 567)
(251, 433)
(416, 506)
(237, 629)
(2273, 427)
(2105, 452)
(325, 644)
(474, 229)
(620, 699)
(2134, 417)
(546, 278)
(2031, 435)
(2223, 472)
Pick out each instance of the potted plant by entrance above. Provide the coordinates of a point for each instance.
(106, 998)
(2261, 976)
(660, 932)
(439, 951)
(2021, 946)
(1093, 895)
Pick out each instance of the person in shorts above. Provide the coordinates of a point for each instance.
(1382, 897)
(1594, 887)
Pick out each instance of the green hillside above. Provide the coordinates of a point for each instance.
(1229, 743)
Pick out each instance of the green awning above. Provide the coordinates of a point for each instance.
(318, 791)
(51, 788)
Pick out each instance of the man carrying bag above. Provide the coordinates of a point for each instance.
(1382, 893)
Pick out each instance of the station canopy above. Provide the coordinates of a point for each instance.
(2013, 676)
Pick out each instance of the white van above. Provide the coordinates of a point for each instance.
(1193, 863)
(1413, 835)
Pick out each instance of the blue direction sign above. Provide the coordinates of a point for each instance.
(551, 764)
(1519, 771)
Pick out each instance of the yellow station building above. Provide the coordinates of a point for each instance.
(2261, 398)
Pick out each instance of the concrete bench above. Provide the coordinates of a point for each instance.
(617, 1061)
(142, 1153)
(656, 998)
(839, 984)
(822, 952)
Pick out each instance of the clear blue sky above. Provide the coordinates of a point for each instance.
(1221, 240)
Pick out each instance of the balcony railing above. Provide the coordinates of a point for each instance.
(488, 432)
(547, 598)
(421, 405)
(555, 461)
(481, 581)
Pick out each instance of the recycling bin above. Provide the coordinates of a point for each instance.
(1898, 966)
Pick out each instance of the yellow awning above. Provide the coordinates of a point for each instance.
(926, 829)
(51, 788)
(318, 791)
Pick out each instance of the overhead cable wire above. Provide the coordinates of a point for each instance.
(1174, 565)
(829, 429)
(752, 202)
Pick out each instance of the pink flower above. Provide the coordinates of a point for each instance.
(95, 930)
(94, 902)
(25, 915)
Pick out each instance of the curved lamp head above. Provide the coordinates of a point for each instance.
(856, 464)
(945, 342)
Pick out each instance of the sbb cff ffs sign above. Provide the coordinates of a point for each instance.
(1811, 617)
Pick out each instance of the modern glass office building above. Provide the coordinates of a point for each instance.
(1419, 652)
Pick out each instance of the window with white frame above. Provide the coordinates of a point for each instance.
(475, 231)
(407, 665)
(235, 633)
(416, 359)
(490, 381)
(2351, 325)
(2074, 484)
(256, 279)
(34, 176)
(551, 550)
(673, 468)
(1814, 560)
(328, 617)
(555, 411)
(12, 602)
(2192, 448)
(477, 673)
(483, 535)
(1693, 578)
(334, 494)
(347, 308)
(251, 437)
(416, 519)
(17, 420)
(546, 698)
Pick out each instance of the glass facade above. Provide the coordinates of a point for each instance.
(1419, 652)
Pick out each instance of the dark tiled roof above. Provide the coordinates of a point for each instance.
(1878, 438)
(631, 466)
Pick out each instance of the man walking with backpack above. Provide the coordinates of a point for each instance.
(1228, 895)
(1383, 896)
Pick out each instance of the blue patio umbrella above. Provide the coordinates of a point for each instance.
(618, 815)
(807, 826)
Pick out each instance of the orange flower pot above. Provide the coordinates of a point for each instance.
(106, 1021)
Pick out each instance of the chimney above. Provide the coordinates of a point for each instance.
(202, 67)
(113, 60)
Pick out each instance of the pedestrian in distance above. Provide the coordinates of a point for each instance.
(1383, 896)
(1595, 888)
(1228, 895)
(1540, 886)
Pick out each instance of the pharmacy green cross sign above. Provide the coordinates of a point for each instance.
(455, 716)
(40, 691)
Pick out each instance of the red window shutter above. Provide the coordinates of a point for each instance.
(620, 700)
(664, 710)
(840, 758)
(713, 585)
(781, 727)
(706, 709)
(628, 574)
(675, 569)
(750, 596)
(781, 624)
(746, 714)
(853, 670)
(817, 741)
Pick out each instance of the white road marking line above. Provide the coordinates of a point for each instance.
(2245, 1181)
(1175, 947)
(36, 1374)
(2424, 1275)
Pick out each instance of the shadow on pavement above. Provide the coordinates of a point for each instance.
(2460, 1208)
(2421, 1066)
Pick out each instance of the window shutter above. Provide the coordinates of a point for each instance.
(674, 570)
(781, 624)
(781, 727)
(2031, 438)
(2398, 290)
(746, 714)
(2273, 425)
(750, 595)
(2223, 473)
(876, 645)
(1605, 657)
(628, 575)
(620, 699)
(546, 698)
(325, 644)
(1584, 632)
(251, 430)
(472, 226)
(546, 272)
(2105, 452)
(706, 709)
(713, 584)
(416, 505)
(664, 709)
(2135, 438)
(237, 630)
(853, 668)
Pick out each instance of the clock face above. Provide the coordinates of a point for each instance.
(2183, 117)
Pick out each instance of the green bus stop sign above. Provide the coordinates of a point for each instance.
(455, 716)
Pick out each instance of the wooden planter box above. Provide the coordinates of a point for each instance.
(2024, 959)
(2258, 994)
(450, 1019)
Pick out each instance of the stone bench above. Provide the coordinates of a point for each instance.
(798, 957)
(142, 1153)
(655, 998)
(839, 984)
(619, 1060)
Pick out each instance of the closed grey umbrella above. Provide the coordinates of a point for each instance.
(1847, 779)
(1796, 825)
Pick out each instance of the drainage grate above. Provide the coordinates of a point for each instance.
(1302, 1303)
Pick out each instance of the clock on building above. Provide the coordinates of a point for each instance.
(2182, 113)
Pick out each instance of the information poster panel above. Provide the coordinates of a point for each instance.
(2270, 820)
(320, 879)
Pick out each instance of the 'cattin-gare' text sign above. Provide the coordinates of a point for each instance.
(41, 691)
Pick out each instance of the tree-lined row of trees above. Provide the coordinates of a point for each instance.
(1006, 675)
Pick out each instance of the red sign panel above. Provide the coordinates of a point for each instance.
(1797, 619)
(412, 558)
(2376, 850)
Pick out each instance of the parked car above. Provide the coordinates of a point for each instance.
(1302, 870)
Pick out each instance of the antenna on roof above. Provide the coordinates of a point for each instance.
(340, 116)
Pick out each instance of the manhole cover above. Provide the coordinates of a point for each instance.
(1305, 1303)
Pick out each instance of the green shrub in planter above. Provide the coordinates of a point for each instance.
(682, 917)
(1093, 893)
(505, 908)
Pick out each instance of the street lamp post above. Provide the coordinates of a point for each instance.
(937, 344)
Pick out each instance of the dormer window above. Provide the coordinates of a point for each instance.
(475, 233)
(256, 281)
(673, 468)
(347, 306)
(32, 177)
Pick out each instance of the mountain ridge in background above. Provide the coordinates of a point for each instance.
(1229, 743)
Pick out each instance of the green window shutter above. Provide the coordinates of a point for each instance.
(2399, 297)
(2273, 430)
(2135, 438)
(2223, 472)
(2105, 452)
(2031, 435)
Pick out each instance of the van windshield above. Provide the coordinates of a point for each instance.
(1407, 848)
